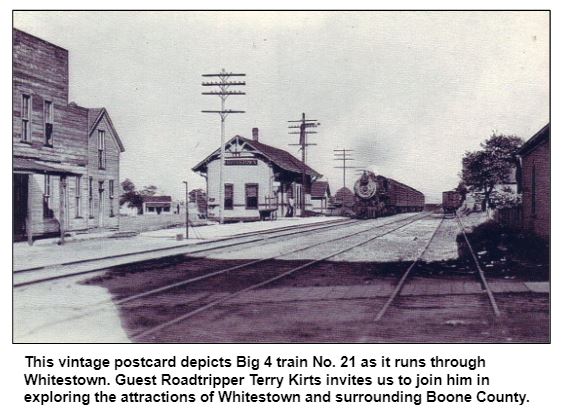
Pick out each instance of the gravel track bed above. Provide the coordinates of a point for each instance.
(321, 241)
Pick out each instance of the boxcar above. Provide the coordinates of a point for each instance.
(451, 201)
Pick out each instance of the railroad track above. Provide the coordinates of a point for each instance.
(271, 278)
(97, 307)
(485, 285)
(404, 278)
(87, 266)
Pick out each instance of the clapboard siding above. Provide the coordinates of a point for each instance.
(110, 172)
(41, 71)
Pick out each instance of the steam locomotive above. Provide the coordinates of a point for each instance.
(378, 196)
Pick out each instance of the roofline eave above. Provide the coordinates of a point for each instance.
(111, 124)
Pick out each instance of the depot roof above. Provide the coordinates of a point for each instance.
(278, 157)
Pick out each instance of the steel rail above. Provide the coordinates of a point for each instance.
(479, 268)
(273, 279)
(245, 265)
(258, 237)
(179, 246)
(106, 304)
(403, 279)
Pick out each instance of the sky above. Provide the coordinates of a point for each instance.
(408, 92)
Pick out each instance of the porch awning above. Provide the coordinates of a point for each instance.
(31, 166)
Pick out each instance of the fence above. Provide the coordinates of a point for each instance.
(509, 217)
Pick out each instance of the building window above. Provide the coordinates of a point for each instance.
(77, 196)
(111, 196)
(251, 195)
(228, 196)
(26, 118)
(533, 192)
(48, 118)
(47, 211)
(101, 149)
(90, 198)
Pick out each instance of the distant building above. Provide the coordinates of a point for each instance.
(320, 196)
(259, 181)
(534, 182)
(65, 157)
(199, 198)
(157, 205)
(344, 197)
(342, 203)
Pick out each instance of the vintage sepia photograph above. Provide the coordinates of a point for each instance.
(281, 177)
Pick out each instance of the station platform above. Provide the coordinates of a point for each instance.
(108, 244)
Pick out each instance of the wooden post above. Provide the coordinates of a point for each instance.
(29, 218)
(62, 193)
(186, 209)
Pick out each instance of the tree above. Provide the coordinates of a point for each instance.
(484, 169)
(130, 196)
(150, 190)
(462, 189)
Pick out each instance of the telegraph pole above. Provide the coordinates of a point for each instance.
(223, 86)
(304, 125)
(343, 155)
(186, 209)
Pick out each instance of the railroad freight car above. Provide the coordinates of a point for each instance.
(451, 201)
(377, 196)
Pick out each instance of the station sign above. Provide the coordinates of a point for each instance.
(240, 162)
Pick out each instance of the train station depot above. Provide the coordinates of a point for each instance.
(259, 181)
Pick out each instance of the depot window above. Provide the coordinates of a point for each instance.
(251, 195)
(228, 196)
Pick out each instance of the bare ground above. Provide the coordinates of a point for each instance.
(430, 319)
(424, 318)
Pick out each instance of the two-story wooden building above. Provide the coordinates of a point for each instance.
(65, 157)
(258, 181)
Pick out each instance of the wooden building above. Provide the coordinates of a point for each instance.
(157, 205)
(320, 197)
(534, 183)
(260, 181)
(65, 157)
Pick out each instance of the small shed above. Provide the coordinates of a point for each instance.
(157, 204)
(320, 196)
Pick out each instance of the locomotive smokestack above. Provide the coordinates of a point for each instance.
(255, 134)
